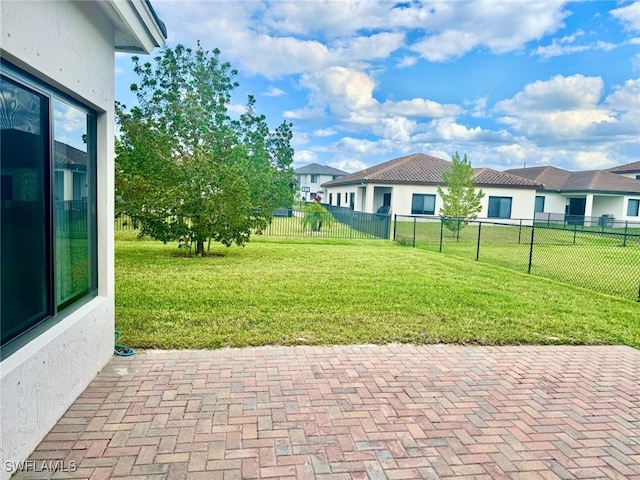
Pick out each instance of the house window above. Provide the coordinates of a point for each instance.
(637, 177)
(338, 199)
(633, 208)
(423, 204)
(331, 199)
(335, 177)
(539, 204)
(499, 207)
(352, 200)
(49, 259)
(314, 178)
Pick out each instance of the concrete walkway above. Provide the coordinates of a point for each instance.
(357, 412)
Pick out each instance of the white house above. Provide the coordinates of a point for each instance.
(585, 196)
(630, 170)
(56, 160)
(408, 186)
(310, 178)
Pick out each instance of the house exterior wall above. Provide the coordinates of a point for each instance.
(633, 175)
(69, 46)
(523, 200)
(304, 180)
(554, 202)
(608, 205)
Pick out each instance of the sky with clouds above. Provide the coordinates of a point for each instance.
(508, 83)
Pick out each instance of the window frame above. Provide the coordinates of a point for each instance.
(535, 208)
(314, 178)
(500, 200)
(56, 313)
(423, 211)
(636, 201)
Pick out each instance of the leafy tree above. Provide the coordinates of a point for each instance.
(185, 170)
(315, 216)
(461, 202)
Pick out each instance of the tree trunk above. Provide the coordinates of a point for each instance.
(199, 248)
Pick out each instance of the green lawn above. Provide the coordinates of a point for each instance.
(309, 291)
(601, 262)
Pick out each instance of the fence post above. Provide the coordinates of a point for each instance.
(415, 220)
(520, 232)
(478, 247)
(458, 231)
(441, 231)
(626, 229)
(533, 229)
(395, 222)
(575, 230)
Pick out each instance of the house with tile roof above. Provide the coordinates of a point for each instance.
(584, 197)
(310, 178)
(408, 186)
(630, 170)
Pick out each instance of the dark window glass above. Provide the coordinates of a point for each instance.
(499, 207)
(314, 178)
(423, 204)
(49, 253)
(331, 199)
(539, 204)
(637, 177)
(633, 208)
(25, 285)
(338, 199)
(72, 218)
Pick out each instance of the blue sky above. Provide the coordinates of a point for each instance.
(508, 83)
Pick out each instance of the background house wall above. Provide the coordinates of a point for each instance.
(523, 200)
(68, 46)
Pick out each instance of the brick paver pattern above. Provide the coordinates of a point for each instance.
(356, 412)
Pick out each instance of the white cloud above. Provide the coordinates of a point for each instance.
(456, 28)
(629, 15)
(626, 97)
(348, 165)
(304, 157)
(407, 62)
(566, 46)
(274, 92)
(324, 132)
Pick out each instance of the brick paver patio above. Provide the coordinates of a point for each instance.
(356, 412)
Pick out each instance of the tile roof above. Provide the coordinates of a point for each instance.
(419, 168)
(317, 169)
(559, 180)
(632, 167)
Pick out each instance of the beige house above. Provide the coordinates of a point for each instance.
(584, 197)
(408, 186)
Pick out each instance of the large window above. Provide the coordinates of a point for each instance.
(499, 207)
(633, 208)
(314, 178)
(423, 204)
(539, 204)
(48, 203)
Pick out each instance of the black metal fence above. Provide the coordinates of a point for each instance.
(601, 258)
(289, 223)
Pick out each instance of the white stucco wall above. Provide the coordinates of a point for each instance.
(70, 46)
(304, 180)
(608, 205)
(554, 202)
(522, 206)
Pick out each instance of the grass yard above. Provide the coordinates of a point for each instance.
(601, 262)
(311, 291)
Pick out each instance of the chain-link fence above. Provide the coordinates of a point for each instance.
(602, 257)
(288, 222)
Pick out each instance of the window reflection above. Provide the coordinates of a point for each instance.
(71, 215)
